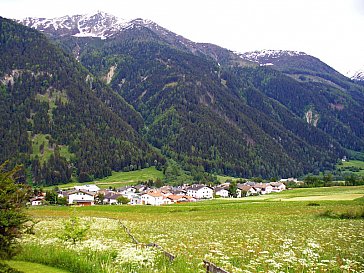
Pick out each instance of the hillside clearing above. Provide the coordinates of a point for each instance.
(120, 179)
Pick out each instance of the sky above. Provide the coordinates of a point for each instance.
(331, 30)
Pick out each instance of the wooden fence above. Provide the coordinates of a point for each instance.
(168, 255)
(210, 267)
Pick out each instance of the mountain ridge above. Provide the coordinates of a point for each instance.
(210, 109)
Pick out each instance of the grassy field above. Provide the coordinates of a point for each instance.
(28, 267)
(347, 165)
(283, 232)
(41, 139)
(120, 179)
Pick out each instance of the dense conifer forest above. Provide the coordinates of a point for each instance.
(136, 100)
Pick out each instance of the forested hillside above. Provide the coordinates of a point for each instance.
(84, 106)
(86, 129)
(205, 115)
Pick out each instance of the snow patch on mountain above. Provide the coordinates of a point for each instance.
(267, 57)
(358, 75)
(100, 24)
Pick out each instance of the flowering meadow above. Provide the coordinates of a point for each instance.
(237, 235)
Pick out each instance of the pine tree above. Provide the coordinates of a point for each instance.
(13, 197)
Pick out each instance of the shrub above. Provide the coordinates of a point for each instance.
(74, 231)
(312, 204)
(352, 214)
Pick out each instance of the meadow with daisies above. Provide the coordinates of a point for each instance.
(246, 235)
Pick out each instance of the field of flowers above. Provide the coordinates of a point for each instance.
(239, 236)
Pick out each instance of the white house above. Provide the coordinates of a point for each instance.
(291, 179)
(111, 198)
(135, 200)
(222, 191)
(245, 190)
(263, 188)
(152, 198)
(89, 188)
(178, 198)
(127, 190)
(200, 192)
(278, 187)
(81, 197)
(37, 201)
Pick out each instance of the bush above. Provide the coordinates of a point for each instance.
(344, 215)
(312, 204)
(74, 231)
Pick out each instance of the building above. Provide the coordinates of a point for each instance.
(111, 198)
(245, 190)
(278, 186)
(263, 188)
(80, 197)
(200, 192)
(89, 188)
(152, 198)
(222, 191)
(37, 201)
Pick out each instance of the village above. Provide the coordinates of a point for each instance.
(88, 195)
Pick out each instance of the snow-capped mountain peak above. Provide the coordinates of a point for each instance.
(100, 24)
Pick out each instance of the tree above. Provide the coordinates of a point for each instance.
(13, 198)
(51, 197)
(74, 230)
(100, 198)
(122, 200)
(233, 187)
(327, 179)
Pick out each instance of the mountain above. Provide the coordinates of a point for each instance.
(296, 63)
(58, 119)
(99, 25)
(358, 76)
(213, 110)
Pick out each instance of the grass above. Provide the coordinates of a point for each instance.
(348, 166)
(134, 176)
(40, 139)
(28, 267)
(120, 179)
(223, 178)
(51, 98)
(255, 234)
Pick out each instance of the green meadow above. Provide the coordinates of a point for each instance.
(120, 179)
(354, 166)
(290, 231)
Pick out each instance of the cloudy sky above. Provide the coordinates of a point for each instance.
(331, 30)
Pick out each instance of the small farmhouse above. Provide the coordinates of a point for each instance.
(80, 197)
(37, 201)
(278, 186)
(263, 188)
(152, 198)
(222, 191)
(177, 198)
(245, 190)
(111, 198)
